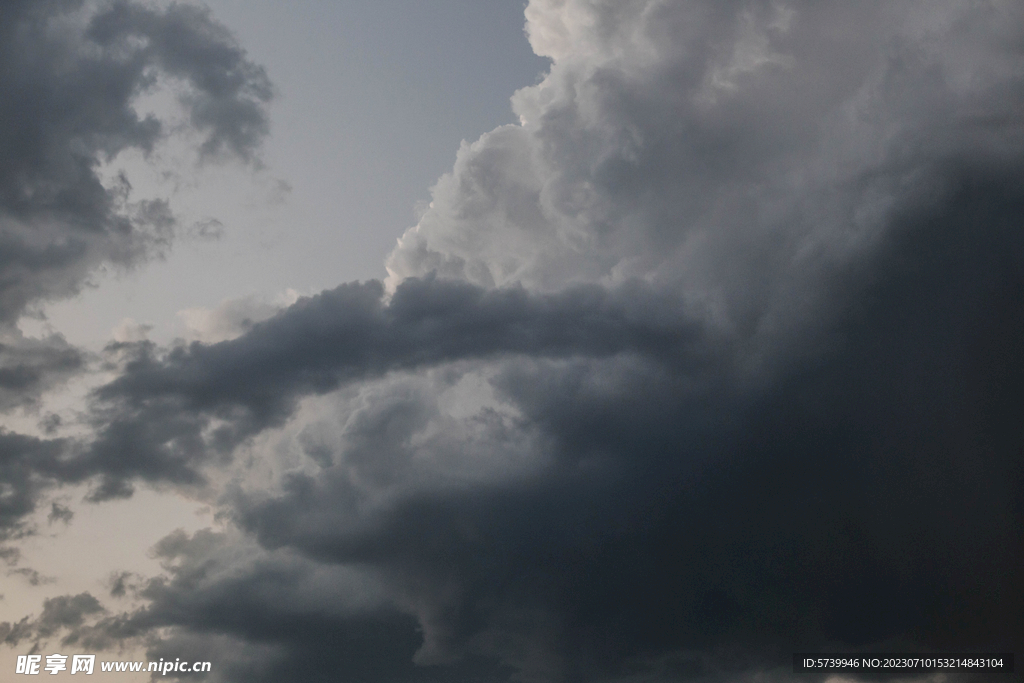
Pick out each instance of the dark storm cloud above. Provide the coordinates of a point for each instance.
(796, 426)
(870, 496)
(688, 526)
(154, 416)
(67, 93)
(305, 623)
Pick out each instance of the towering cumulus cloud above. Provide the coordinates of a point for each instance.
(70, 84)
(716, 356)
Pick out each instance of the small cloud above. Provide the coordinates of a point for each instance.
(50, 424)
(279, 192)
(206, 229)
(32, 576)
(121, 583)
(9, 556)
(60, 513)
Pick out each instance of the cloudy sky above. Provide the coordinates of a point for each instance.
(630, 341)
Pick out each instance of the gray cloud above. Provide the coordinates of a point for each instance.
(67, 614)
(69, 87)
(33, 577)
(60, 513)
(29, 367)
(28, 468)
(228, 92)
(73, 72)
(153, 419)
(66, 611)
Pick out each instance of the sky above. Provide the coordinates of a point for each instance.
(620, 341)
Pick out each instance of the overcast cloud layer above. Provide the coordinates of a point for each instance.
(717, 356)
